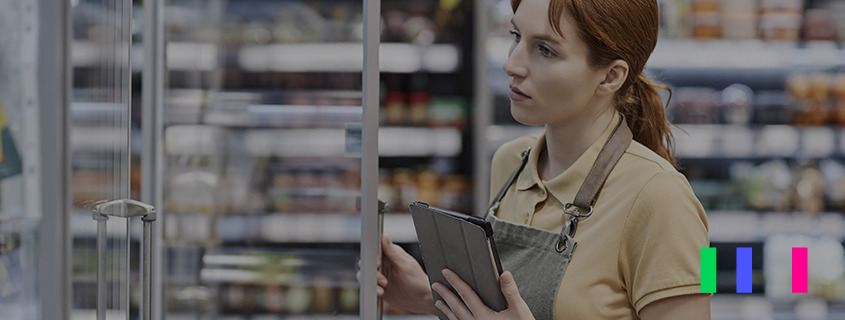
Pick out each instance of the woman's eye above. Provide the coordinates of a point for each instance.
(545, 51)
(515, 35)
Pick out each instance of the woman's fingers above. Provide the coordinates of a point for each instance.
(381, 279)
(443, 307)
(469, 297)
(510, 290)
(394, 254)
(453, 301)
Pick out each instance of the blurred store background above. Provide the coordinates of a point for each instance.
(260, 218)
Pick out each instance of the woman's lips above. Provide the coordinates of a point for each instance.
(516, 95)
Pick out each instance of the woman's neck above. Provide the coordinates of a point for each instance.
(565, 143)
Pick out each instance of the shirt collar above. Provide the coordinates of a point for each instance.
(566, 185)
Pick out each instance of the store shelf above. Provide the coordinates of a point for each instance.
(349, 57)
(313, 142)
(737, 141)
(744, 54)
(721, 54)
(705, 141)
(751, 306)
(308, 228)
(749, 226)
(295, 57)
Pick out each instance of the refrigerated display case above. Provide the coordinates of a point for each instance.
(755, 100)
(252, 150)
(262, 167)
(260, 183)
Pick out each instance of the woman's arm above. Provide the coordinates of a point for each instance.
(691, 307)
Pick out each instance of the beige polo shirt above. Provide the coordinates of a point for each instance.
(642, 242)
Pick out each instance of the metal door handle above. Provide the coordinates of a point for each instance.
(125, 208)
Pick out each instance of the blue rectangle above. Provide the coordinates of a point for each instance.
(743, 270)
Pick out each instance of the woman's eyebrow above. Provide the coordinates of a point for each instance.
(543, 37)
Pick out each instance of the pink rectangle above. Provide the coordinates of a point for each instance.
(799, 270)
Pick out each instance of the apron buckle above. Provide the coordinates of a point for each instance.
(565, 238)
(576, 212)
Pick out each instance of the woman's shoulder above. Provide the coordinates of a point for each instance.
(643, 168)
(641, 158)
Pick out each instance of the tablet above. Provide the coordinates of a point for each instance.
(462, 243)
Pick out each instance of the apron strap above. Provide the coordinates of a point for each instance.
(587, 195)
(609, 155)
(495, 204)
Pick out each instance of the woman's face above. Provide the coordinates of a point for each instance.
(550, 79)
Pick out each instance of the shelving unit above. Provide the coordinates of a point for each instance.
(289, 57)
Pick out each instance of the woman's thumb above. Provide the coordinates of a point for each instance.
(509, 289)
(386, 245)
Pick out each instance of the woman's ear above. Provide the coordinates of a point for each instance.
(617, 73)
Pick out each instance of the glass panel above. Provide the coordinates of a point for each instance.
(260, 215)
(18, 222)
(101, 122)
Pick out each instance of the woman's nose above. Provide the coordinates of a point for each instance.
(514, 65)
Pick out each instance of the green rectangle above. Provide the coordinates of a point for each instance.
(708, 270)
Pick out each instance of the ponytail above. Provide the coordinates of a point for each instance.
(646, 115)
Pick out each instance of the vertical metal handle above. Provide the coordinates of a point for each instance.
(382, 209)
(147, 268)
(101, 264)
(125, 208)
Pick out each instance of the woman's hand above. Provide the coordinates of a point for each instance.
(402, 281)
(469, 307)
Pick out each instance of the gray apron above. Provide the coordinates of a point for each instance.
(538, 258)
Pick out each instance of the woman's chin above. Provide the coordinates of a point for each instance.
(525, 118)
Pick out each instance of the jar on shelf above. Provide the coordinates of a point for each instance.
(706, 19)
(739, 19)
(819, 25)
(781, 19)
(837, 91)
(808, 98)
(406, 188)
(697, 105)
(428, 187)
(394, 108)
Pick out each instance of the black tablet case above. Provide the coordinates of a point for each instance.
(463, 244)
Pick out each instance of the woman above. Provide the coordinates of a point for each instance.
(579, 73)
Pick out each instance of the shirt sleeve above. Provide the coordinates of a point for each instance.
(660, 252)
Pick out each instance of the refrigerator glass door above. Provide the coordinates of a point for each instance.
(104, 262)
(262, 122)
